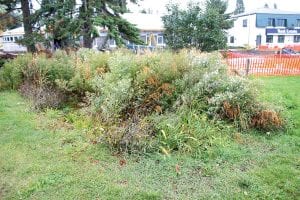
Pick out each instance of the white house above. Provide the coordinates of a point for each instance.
(150, 26)
(267, 27)
(9, 40)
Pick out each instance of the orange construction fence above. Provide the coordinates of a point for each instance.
(265, 65)
(295, 47)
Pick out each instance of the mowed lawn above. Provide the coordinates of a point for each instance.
(43, 157)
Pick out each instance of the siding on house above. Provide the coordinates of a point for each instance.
(262, 19)
(265, 27)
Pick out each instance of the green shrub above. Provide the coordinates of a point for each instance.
(161, 101)
(175, 88)
(11, 74)
(61, 75)
(87, 65)
(2, 61)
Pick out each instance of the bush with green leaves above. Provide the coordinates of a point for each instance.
(158, 101)
(165, 89)
(11, 74)
(66, 74)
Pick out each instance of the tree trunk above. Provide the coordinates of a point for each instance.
(87, 25)
(27, 25)
(87, 38)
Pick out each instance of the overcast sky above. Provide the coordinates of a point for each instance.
(158, 6)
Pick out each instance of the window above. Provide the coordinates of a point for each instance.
(160, 39)
(11, 39)
(95, 41)
(298, 23)
(280, 38)
(112, 42)
(282, 22)
(144, 38)
(271, 22)
(245, 21)
(154, 40)
(231, 39)
(297, 38)
(130, 43)
(269, 39)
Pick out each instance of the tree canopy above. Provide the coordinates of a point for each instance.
(201, 28)
(65, 21)
(8, 20)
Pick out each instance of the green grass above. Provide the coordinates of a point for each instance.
(42, 157)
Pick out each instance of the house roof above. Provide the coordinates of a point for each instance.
(16, 31)
(268, 11)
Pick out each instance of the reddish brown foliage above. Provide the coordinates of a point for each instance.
(266, 119)
(231, 112)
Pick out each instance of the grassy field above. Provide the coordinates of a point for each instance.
(43, 157)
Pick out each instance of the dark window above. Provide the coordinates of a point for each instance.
(130, 43)
(282, 22)
(112, 42)
(297, 38)
(154, 40)
(280, 38)
(245, 21)
(231, 39)
(11, 39)
(269, 39)
(298, 23)
(160, 39)
(271, 22)
(144, 38)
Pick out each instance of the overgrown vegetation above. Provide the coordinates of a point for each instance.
(154, 102)
(54, 155)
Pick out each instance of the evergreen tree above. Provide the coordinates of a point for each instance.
(59, 17)
(106, 14)
(239, 8)
(66, 20)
